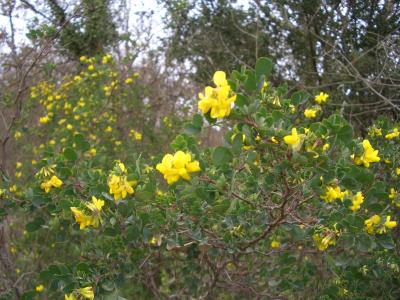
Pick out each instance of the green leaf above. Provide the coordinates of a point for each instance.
(221, 156)
(250, 84)
(345, 134)
(237, 144)
(34, 225)
(198, 120)
(263, 67)
(361, 174)
(298, 98)
(81, 143)
(191, 129)
(70, 154)
(241, 100)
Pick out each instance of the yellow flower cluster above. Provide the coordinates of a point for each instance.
(118, 183)
(333, 193)
(17, 135)
(394, 134)
(294, 140)
(94, 218)
(86, 292)
(374, 131)
(374, 224)
(324, 241)
(370, 155)
(310, 113)
(357, 200)
(275, 244)
(176, 166)
(39, 288)
(136, 135)
(54, 181)
(218, 101)
(321, 98)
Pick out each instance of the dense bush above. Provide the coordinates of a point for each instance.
(291, 205)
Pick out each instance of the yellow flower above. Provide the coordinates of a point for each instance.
(90, 67)
(18, 174)
(292, 108)
(390, 224)
(275, 244)
(69, 127)
(17, 135)
(106, 59)
(128, 80)
(325, 147)
(119, 186)
(86, 292)
(217, 100)
(83, 58)
(333, 193)
(122, 167)
(393, 193)
(323, 242)
(275, 101)
(293, 140)
(321, 98)
(274, 140)
(357, 200)
(310, 113)
(18, 165)
(398, 171)
(53, 182)
(394, 134)
(369, 156)
(372, 223)
(81, 218)
(69, 297)
(176, 166)
(148, 169)
(94, 219)
(44, 120)
(374, 131)
(109, 129)
(13, 188)
(136, 135)
(264, 87)
(92, 151)
(95, 206)
(39, 288)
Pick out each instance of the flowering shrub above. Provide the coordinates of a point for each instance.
(291, 205)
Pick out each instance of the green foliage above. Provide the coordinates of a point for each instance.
(271, 214)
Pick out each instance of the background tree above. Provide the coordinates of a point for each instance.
(347, 48)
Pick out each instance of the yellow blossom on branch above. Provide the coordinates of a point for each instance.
(69, 297)
(321, 98)
(39, 288)
(310, 113)
(369, 155)
(93, 219)
(294, 140)
(218, 101)
(357, 200)
(118, 183)
(394, 134)
(86, 292)
(176, 166)
(333, 193)
(324, 241)
(275, 244)
(54, 181)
